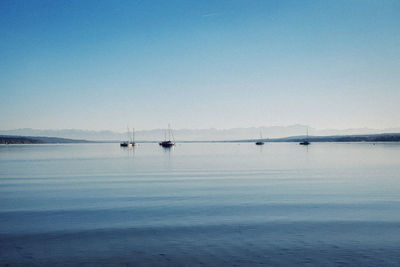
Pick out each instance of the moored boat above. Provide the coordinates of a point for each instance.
(305, 142)
(260, 142)
(168, 143)
(131, 140)
(125, 144)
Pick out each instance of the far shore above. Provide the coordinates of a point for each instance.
(385, 137)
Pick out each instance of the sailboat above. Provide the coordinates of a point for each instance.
(168, 143)
(305, 142)
(129, 143)
(133, 143)
(259, 142)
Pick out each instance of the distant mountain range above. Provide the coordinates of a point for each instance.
(197, 134)
(9, 139)
(386, 137)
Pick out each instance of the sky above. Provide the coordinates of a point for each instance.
(103, 65)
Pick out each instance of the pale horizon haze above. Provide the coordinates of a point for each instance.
(103, 65)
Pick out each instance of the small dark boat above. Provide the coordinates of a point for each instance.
(305, 142)
(168, 143)
(259, 142)
(126, 144)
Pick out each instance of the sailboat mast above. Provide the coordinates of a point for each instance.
(127, 133)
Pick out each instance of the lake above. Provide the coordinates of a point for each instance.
(198, 204)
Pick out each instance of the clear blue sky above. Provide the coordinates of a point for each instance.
(199, 64)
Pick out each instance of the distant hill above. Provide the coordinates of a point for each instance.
(385, 137)
(75, 134)
(210, 134)
(7, 139)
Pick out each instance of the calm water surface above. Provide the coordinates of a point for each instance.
(200, 204)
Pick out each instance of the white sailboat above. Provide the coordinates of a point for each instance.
(133, 143)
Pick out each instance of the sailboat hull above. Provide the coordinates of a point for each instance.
(126, 144)
(166, 144)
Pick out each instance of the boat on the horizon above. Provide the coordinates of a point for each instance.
(125, 144)
(305, 142)
(131, 142)
(259, 142)
(168, 143)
